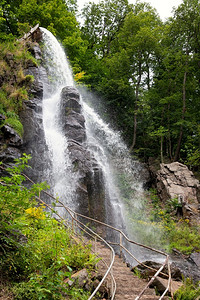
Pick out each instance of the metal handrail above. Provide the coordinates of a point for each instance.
(70, 211)
(109, 268)
(92, 233)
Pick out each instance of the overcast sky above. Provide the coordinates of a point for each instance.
(164, 7)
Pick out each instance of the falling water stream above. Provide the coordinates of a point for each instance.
(105, 144)
(63, 179)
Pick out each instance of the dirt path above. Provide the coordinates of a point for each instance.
(128, 285)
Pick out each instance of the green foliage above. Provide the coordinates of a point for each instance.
(184, 238)
(176, 233)
(14, 58)
(189, 291)
(37, 252)
(15, 124)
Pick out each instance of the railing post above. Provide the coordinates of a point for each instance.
(74, 221)
(95, 248)
(120, 244)
(111, 275)
(72, 224)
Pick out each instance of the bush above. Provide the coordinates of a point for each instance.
(188, 291)
(37, 252)
(16, 125)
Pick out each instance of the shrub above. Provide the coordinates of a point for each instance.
(189, 291)
(16, 125)
(37, 252)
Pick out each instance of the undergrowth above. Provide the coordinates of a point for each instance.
(37, 253)
(189, 291)
(155, 224)
(14, 84)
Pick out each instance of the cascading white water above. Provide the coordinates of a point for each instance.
(62, 179)
(104, 143)
(119, 169)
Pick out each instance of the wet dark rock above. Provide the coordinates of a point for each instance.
(11, 136)
(9, 154)
(31, 117)
(90, 190)
(36, 88)
(73, 122)
(181, 267)
(10, 143)
(70, 101)
(36, 51)
(77, 134)
(161, 284)
(195, 257)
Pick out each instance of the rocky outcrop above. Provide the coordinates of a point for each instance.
(180, 267)
(90, 191)
(175, 180)
(31, 117)
(10, 143)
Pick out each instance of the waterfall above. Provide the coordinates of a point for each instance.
(124, 192)
(62, 179)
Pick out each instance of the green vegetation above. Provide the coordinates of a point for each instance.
(156, 223)
(189, 291)
(14, 84)
(177, 233)
(15, 124)
(38, 254)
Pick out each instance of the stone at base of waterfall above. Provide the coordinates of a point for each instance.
(161, 285)
(180, 267)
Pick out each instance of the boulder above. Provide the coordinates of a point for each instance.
(161, 285)
(79, 279)
(180, 266)
(175, 180)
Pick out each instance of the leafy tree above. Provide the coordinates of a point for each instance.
(102, 22)
(176, 80)
(139, 38)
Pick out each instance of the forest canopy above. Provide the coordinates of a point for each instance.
(145, 71)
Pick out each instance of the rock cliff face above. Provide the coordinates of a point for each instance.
(90, 191)
(175, 180)
(31, 117)
(10, 143)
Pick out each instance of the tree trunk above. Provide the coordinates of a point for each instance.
(161, 149)
(169, 135)
(178, 148)
(136, 107)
